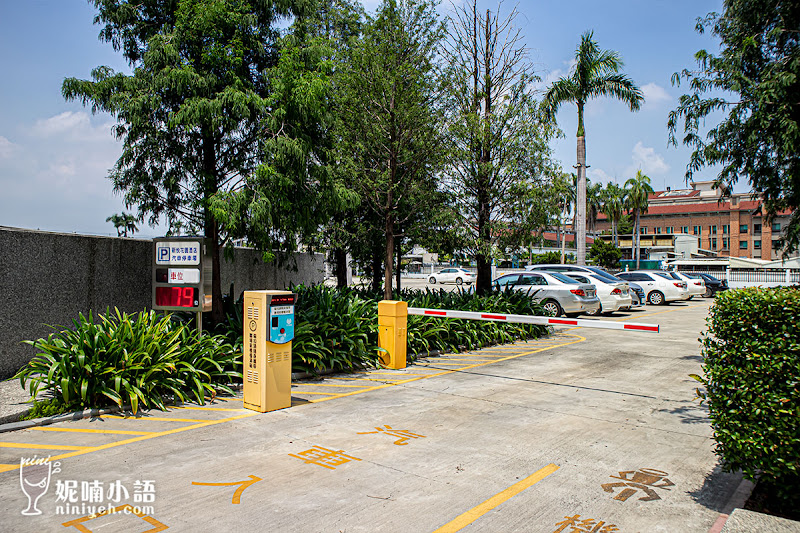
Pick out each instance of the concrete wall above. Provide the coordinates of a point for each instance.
(48, 278)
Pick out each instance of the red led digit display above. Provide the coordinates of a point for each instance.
(283, 299)
(176, 296)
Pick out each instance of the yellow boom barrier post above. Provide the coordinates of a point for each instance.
(392, 324)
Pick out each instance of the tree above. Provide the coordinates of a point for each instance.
(637, 190)
(613, 204)
(756, 80)
(595, 73)
(605, 254)
(563, 191)
(124, 223)
(497, 133)
(390, 127)
(195, 111)
(594, 203)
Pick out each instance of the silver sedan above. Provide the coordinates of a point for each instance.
(558, 293)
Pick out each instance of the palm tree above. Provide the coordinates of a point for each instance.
(637, 189)
(596, 73)
(594, 202)
(613, 197)
(564, 191)
(124, 223)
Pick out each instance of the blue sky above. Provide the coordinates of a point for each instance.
(55, 155)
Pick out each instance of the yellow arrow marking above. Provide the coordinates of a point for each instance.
(238, 494)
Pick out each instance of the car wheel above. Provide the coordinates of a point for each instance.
(655, 298)
(709, 293)
(459, 281)
(432, 280)
(690, 297)
(552, 308)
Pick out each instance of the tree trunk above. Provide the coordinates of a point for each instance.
(638, 241)
(580, 204)
(389, 259)
(340, 258)
(398, 252)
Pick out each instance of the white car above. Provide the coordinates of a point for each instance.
(452, 275)
(697, 287)
(659, 287)
(558, 293)
(613, 296)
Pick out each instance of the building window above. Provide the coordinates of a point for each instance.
(712, 230)
(776, 227)
(743, 228)
(756, 229)
(713, 244)
(756, 245)
(725, 243)
(696, 230)
(684, 229)
(726, 229)
(743, 245)
(776, 246)
(669, 230)
(658, 230)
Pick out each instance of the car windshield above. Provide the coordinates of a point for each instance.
(603, 279)
(562, 278)
(605, 275)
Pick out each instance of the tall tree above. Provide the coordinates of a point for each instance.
(613, 200)
(390, 133)
(498, 135)
(755, 78)
(194, 112)
(594, 202)
(637, 191)
(124, 223)
(596, 73)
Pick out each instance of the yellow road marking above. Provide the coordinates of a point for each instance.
(109, 431)
(154, 418)
(362, 379)
(42, 446)
(445, 372)
(84, 449)
(301, 392)
(199, 408)
(238, 494)
(430, 363)
(465, 519)
(460, 359)
(327, 385)
(393, 374)
(5, 468)
(490, 356)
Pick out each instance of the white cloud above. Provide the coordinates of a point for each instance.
(7, 148)
(646, 159)
(599, 176)
(654, 94)
(71, 126)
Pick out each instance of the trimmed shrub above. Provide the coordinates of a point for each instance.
(751, 369)
(142, 359)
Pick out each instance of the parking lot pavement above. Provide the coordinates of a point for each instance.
(584, 429)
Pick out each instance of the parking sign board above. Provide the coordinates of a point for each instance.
(181, 275)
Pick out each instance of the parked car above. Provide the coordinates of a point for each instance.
(614, 296)
(452, 275)
(697, 287)
(712, 284)
(659, 287)
(558, 293)
(638, 292)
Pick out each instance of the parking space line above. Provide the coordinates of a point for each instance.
(199, 408)
(465, 519)
(6, 468)
(326, 385)
(154, 418)
(394, 374)
(42, 446)
(444, 372)
(460, 359)
(301, 392)
(80, 430)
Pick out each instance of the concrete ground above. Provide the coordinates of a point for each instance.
(586, 430)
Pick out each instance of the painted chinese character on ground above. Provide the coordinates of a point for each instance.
(574, 524)
(644, 479)
(403, 434)
(325, 457)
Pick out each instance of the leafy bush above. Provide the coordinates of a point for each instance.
(751, 372)
(138, 359)
(45, 408)
(605, 254)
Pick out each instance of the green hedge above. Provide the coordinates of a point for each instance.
(751, 368)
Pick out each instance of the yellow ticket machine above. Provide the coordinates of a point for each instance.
(268, 332)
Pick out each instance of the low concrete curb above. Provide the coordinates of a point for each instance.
(77, 415)
(744, 521)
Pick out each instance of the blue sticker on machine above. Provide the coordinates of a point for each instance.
(281, 327)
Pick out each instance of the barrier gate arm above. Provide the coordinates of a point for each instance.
(529, 319)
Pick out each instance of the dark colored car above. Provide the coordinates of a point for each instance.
(713, 285)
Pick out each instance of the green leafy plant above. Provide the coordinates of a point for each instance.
(142, 359)
(45, 408)
(751, 369)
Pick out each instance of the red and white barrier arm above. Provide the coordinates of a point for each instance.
(529, 319)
